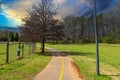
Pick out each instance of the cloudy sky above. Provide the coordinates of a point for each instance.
(13, 11)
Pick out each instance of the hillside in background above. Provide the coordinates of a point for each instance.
(10, 29)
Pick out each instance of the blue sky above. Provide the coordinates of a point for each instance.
(13, 11)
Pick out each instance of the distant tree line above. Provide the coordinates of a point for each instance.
(79, 29)
(5, 35)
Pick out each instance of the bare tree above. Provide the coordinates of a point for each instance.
(39, 20)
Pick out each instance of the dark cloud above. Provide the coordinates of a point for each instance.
(83, 7)
(68, 7)
(101, 6)
(104, 4)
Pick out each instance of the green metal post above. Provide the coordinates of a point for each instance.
(96, 38)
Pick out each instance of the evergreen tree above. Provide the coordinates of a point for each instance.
(16, 37)
(11, 36)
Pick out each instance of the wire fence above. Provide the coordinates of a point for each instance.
(15, 51)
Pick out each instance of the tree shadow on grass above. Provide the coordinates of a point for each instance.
(43, 54)
(63, 53)
(78, 53)
(2, 53)
(101, 77)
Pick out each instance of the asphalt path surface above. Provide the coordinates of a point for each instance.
(59, 68)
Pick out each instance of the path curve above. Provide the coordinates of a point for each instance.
(59, 68)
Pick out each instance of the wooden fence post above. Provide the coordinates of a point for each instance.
(22, 50)
(7, 53)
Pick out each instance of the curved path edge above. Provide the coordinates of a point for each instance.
(61, 67)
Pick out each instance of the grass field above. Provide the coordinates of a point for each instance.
(26, 68)
(84, 56)
(13, 47)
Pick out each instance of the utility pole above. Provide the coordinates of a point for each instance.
(96, 38)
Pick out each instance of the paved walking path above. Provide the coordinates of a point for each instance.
(59, 68)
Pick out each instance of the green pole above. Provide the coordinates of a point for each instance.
(96, 38)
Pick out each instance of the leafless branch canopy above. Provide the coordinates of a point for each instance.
(39, 19)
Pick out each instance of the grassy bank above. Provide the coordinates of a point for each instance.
(24, 69)
(84, 56)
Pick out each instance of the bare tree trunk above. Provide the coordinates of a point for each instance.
(43, 44)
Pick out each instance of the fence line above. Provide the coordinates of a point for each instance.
(13, 51)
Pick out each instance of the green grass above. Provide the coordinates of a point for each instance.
(24, 69)
(12, 52)
(84, 56)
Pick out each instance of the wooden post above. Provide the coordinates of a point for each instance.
(19, 49)
(7, 53)
(22, 50)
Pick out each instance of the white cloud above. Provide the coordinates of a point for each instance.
(20, 7)
(59, 1)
